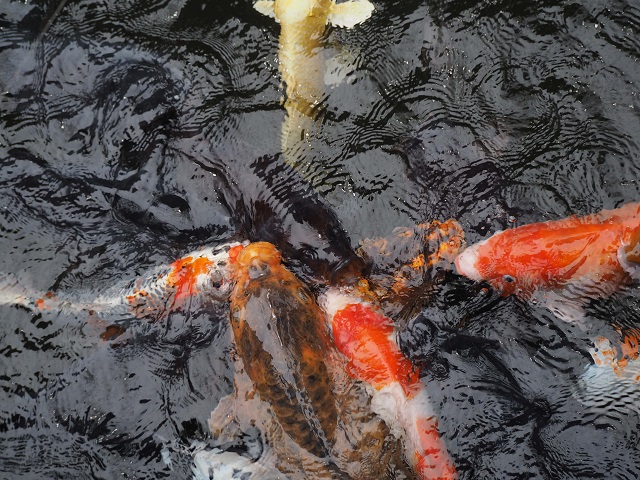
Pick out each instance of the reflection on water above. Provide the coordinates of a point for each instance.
(134, 132)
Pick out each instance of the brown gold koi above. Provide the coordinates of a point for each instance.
(280, 336)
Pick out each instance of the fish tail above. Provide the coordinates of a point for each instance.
(431, 458)
(14, 292)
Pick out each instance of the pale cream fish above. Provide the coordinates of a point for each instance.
(302, 61)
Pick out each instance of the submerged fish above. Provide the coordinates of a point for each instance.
(559, 262)
(217, 464)
(302, 66)
(307, 409)
(612, 383)
(406, 263)
(151, 297)
(365, 338)
(280, 336)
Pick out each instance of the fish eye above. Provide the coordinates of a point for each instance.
(508, 278)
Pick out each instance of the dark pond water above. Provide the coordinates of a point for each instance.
(135, 131)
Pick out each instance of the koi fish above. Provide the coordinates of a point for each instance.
(414, 256)
(290, 382)
(365, 338)
(280, 336)
(302, 27)
(612, 381)
(561, 261)
(151, 297)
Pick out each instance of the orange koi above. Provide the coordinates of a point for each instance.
(365, 338)
(575, 258)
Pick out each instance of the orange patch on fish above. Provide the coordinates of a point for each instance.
(418, 262)
(234, 252)
(630, 342)
(404, 263)
(42, 304)
(362, 335)
(184, 275)
(432, 462)
(143, 304)
(619, 355)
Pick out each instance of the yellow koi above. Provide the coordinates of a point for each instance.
(302, 27)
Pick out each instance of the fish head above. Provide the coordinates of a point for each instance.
(255, 260)
(491, 261)
(294, 11)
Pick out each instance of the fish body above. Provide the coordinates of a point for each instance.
(406, 263)
(280, 336)
(365, 338)
(301, 60)
(576, 257)
(151, 297)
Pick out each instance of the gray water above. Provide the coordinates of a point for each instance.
(132, 132)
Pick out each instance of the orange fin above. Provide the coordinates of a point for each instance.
(631, 253)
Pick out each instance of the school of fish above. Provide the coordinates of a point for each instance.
(300, 358)
(322, 378)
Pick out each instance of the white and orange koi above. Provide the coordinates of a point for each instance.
(151, 297)
(365, 338)
(563, 264)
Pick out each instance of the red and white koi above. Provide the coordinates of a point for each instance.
(366, 338)
(562, 264)
(563, 261)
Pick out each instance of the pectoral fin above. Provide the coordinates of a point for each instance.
(349, 14)
(629, 255)
(266, 7)
(223, 421)
(564, 306)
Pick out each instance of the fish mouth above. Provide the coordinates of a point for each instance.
(466, 262)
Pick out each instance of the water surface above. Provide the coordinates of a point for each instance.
(132, 132)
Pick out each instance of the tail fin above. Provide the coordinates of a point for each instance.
(15, 292)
